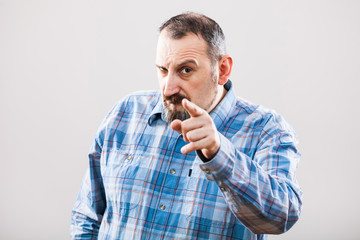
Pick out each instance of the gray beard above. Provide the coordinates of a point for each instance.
(172, 115)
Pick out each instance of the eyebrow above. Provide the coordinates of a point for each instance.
(158, 66)
(187, 62)
(181, 63)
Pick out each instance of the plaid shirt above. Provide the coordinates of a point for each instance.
(140, 186)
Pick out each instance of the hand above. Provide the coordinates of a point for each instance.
(199, 130)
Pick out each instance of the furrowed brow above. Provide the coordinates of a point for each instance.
(188, 62)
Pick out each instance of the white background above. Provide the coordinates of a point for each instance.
(64, 63)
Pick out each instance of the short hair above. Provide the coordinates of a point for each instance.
(189, 22)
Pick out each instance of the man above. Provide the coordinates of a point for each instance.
(191, 161)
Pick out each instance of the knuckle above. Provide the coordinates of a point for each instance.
(194, 146)
(189, 137)
(183, 131)
(190, 147)
(212, 142)
(208, 120)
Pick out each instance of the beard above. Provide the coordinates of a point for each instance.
(171, 103)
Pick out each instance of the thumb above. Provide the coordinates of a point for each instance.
(176, 125)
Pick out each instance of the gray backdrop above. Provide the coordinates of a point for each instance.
(63, 64)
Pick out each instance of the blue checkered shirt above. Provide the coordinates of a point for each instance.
(140, 186)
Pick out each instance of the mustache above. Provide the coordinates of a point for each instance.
(175, 98)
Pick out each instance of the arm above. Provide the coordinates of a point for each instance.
(90, 203)
(261, 190)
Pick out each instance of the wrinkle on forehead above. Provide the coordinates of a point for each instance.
(171, 50)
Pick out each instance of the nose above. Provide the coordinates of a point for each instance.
(171, 85)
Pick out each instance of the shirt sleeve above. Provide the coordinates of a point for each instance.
(261, 190)
(90, 203)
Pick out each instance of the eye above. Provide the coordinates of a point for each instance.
(163, 69)
(186, 70)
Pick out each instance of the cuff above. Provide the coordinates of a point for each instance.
(222, 164)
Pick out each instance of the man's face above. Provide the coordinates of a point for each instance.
(185, 71)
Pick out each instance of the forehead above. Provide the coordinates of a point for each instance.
(171, 50)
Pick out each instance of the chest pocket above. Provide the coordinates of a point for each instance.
(125, 177)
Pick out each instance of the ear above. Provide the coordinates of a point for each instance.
(225, 66)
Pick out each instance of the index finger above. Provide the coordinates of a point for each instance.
(192, 108)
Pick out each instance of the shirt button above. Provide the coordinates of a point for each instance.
(129, 157)
(222, 189)
(162, 207)
(172, 171)
(207, 171)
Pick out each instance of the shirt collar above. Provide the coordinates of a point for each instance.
(219, 114)
(157, 112)
(223, 109)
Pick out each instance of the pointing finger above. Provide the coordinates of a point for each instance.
(192, 108)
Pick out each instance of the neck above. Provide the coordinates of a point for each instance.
(219, 96)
